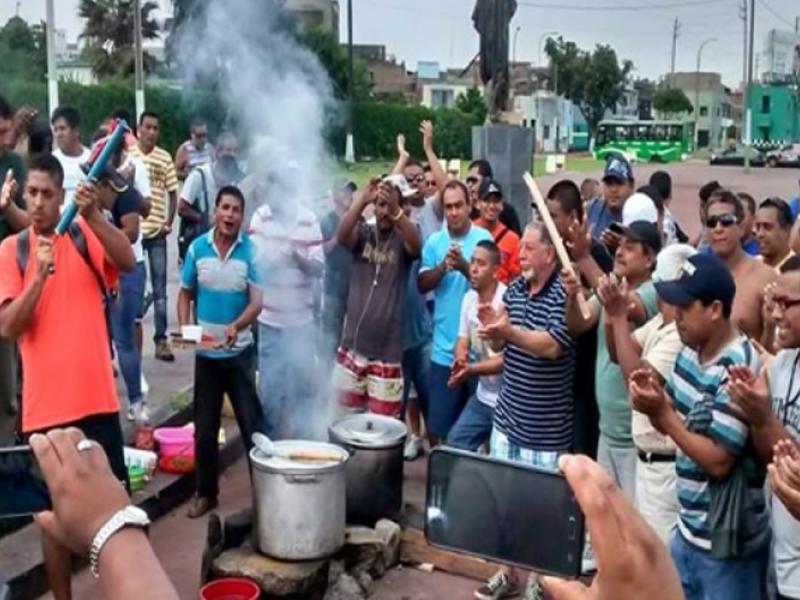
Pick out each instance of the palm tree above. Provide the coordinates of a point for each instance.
(108, 32)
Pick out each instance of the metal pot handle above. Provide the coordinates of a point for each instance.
(311, 478)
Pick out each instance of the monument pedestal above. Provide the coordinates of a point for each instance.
(509, 149)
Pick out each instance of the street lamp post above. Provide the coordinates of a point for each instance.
(349, 153)
(541, 41)
(514, 44)
(138, 59)
(697, 92)
(52, 69)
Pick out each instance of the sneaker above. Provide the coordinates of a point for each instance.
(143, 415)
(145, 387)
(499, 585)
(131, 412)
(413, 447)
(163, 352)
(533, 589)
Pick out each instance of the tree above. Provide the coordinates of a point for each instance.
(671, 101)
(593, 81)
(333, 58)
(108, 32)
(472, 103)
(22, 50)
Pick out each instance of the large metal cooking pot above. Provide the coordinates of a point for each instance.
(299, 505)
(375, 469)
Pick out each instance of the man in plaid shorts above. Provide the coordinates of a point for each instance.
(368, 374)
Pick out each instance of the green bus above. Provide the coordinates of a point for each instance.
(645, 141)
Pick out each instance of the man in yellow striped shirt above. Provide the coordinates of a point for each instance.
(157, 226)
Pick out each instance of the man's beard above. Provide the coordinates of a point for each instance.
(529, 275)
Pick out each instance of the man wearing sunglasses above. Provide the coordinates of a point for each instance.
(769, 402)
(724, 216)
(773, 226)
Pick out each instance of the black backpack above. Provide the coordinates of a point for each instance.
(79, 240)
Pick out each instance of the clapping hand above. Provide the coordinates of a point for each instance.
(579, 240)
(614, 296)
(784, 475)
(498, 330)
(454, 259)
(459, 373)
(750, 394)
(648, 396)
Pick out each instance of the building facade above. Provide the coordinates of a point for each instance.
(323, 14)
(774, 113)
(711, 102)
(781, 57)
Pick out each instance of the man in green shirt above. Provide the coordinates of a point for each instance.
(12, 219)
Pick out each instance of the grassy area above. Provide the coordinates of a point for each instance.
(362, 171)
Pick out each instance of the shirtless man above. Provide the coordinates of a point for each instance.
(724, 215)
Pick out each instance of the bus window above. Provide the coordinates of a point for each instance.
(602, 136)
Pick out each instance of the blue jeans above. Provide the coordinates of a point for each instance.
(446, 404)
(473, 427)
(287, 368)
(706, 578)
(416, 370)
(156, 249)
(123, 316)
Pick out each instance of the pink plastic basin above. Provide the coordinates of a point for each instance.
(175, 441)
(232, 588)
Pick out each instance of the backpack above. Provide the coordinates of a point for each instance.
(188, 231)
(79, 240)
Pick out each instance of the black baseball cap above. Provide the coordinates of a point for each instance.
(704, 277)
(488, 188)
(640, 231)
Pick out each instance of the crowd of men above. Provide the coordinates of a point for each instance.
(670, 361)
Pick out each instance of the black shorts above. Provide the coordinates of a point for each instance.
(106, 431)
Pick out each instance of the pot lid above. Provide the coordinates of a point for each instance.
(300, 449)
(369, 431)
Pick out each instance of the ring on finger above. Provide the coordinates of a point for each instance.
(84, 445)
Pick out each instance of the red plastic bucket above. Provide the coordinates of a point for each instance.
(232, 588)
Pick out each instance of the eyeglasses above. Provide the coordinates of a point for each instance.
(416, 179)
(472, 180)
(725, 220)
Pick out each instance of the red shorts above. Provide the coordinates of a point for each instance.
(362, 384)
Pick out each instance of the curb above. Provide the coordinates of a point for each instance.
(20, 552)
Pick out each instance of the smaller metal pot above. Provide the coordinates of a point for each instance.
(374, 472)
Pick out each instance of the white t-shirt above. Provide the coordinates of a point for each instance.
(73, 174)
(141, 181)
(488, 385)
(194, 194)
(288, 292)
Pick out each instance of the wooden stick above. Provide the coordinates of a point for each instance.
(558, 243)
(312, 456)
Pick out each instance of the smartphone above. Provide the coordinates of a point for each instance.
(503, 511)
(23, 490)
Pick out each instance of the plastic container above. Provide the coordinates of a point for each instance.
(136, 477)
(141, 458)
(232, 588)
(175, 441)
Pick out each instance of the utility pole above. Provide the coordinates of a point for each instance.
(676, 28)
(52, 69)
(349, 152)
(138, 59)
(743, 17)
(747, 108)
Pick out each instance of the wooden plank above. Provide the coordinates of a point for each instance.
(414, 549)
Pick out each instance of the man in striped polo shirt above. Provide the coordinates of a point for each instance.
(158, 224)
(533, 416)
(220, 278)
(722, 543)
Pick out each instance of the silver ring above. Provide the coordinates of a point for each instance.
(84, 445)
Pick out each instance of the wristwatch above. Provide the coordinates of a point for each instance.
(130, 516)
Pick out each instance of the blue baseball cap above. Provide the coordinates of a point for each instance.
(703, 277)
(618, 169)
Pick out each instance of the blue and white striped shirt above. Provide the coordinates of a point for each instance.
(220, 285)
(700, 389)
(534, 408)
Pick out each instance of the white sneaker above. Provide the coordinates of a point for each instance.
(131, 413)
(143, 414)
(144, 385)
(413, 447)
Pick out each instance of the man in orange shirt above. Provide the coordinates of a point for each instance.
(490, 205)
(52, 292)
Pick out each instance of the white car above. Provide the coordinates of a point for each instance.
(786, 156)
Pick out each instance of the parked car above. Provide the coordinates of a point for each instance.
(786, 156)
(734, 156)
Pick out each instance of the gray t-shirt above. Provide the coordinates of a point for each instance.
(785, 388)
(376, 302)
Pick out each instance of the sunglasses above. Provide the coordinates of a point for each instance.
(472, 180)
(416, 179)
(725, 220)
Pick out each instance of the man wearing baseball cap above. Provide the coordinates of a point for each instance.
(618, 185)
(713, 443)
(490, 205)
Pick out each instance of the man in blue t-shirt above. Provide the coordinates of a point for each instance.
(220, 278)
(445, 271)
(618, 184)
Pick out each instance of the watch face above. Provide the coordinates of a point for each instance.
(136, 516)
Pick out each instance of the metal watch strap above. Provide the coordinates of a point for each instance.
(119, 520)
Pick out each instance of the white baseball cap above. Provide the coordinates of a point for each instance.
(670, 261)
(400, 182)
(639, 207)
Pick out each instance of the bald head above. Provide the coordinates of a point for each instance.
(790, 282)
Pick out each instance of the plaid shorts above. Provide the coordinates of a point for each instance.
(363, 384)
(501, 447)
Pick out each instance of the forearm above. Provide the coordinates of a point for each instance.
(115, 243)
(765, 436)
(712, 458)
(186, 211)
(16, 315)
(184, 307)
(349, 221)
(537, 343)
(251, 312)
(400, 165)
(172, 208)
(115, 569)
(491, 366)
(436, 168)
(623, 347)
(410, 234)
(16, 218)
(428, 280)
(576, 323)
(590, 270)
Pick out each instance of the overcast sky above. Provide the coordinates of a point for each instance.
(441, 30)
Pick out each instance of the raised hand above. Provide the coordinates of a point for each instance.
(572, 284)
(750, 394)
(9, 191)
(579, 239)
(401, 146)
(426, 129)
(614, 296)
